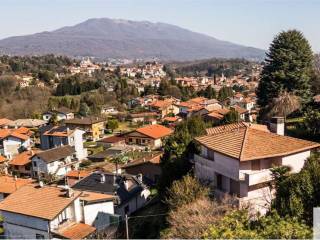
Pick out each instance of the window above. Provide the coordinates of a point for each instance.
(130, 139)
(39, 236)
(255, 165)
(34, 164)
(219, 181)
(210, 154)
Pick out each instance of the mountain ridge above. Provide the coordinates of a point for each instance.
(120, 38)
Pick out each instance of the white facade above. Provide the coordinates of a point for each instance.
(11, 146)
(19, 226)
(57, 168)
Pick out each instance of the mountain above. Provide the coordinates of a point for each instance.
(111, 38)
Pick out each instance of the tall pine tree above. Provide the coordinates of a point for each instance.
(288, 68)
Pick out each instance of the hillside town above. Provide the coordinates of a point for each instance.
(220, 148)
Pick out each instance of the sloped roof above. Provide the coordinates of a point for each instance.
(21, 133)
(55, 154)
(244, 143)
(22, 158)
(155, 131)
(10, 184)
(77, 231)
(2, 159)
(84, 121)
(42, 202)
(5, 121)
(58, 131)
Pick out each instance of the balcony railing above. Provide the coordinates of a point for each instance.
(256, 177)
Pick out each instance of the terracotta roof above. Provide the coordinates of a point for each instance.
(155, 131)
(112, 139)
(95, 197)
(21, 133)
(5, 121)
(171, 119)
(161, 103)
(240, 110)
(78, 173)
(235, 126)
(2, 159)
(42, 202)
(198, 100)
(77, 231)
(55, 154)
(245, 143)
(10, 184)
(216, 115)
(58, 131)
(155, 159)
(22, 158)
(85, 121)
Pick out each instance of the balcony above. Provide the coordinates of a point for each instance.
(255, 177)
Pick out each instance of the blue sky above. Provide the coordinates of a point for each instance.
(248, 22)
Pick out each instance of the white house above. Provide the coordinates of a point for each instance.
(56, 162)
(47, 212)
(237, 158)
(62, 113)
(12, 141)
(55, 136)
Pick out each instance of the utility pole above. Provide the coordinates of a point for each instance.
(127, 227)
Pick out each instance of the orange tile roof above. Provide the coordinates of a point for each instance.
(171, 119)
(10, 184)
(94, 197)
(198, 100)
(245, 143)
(2, 159)
(5, 121)
(216, 115)
(235, 126)
(155, 131)
(77, 231)
(20, 133)
(239, 109)
(22, 158)
(42, 202)
(78, 173)
(161, 103)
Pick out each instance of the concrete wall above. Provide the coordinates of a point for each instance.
(91, 211)
(296, 161)
(22, 226)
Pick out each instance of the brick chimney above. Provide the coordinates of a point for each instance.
(276, 125)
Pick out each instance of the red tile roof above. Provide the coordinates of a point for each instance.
(245, 143)
(42, 202)
(22, 158)
(77, 231)
(112, 139)
(10, 184)
(2, 159)
(155, 131)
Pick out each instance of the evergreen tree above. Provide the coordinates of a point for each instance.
(288, 67)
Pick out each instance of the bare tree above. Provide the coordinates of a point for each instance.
(284, 105)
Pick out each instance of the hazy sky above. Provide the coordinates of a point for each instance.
(248, 22)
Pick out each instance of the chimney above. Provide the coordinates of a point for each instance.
(69, 193)
(276, 125)
(102, 178)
